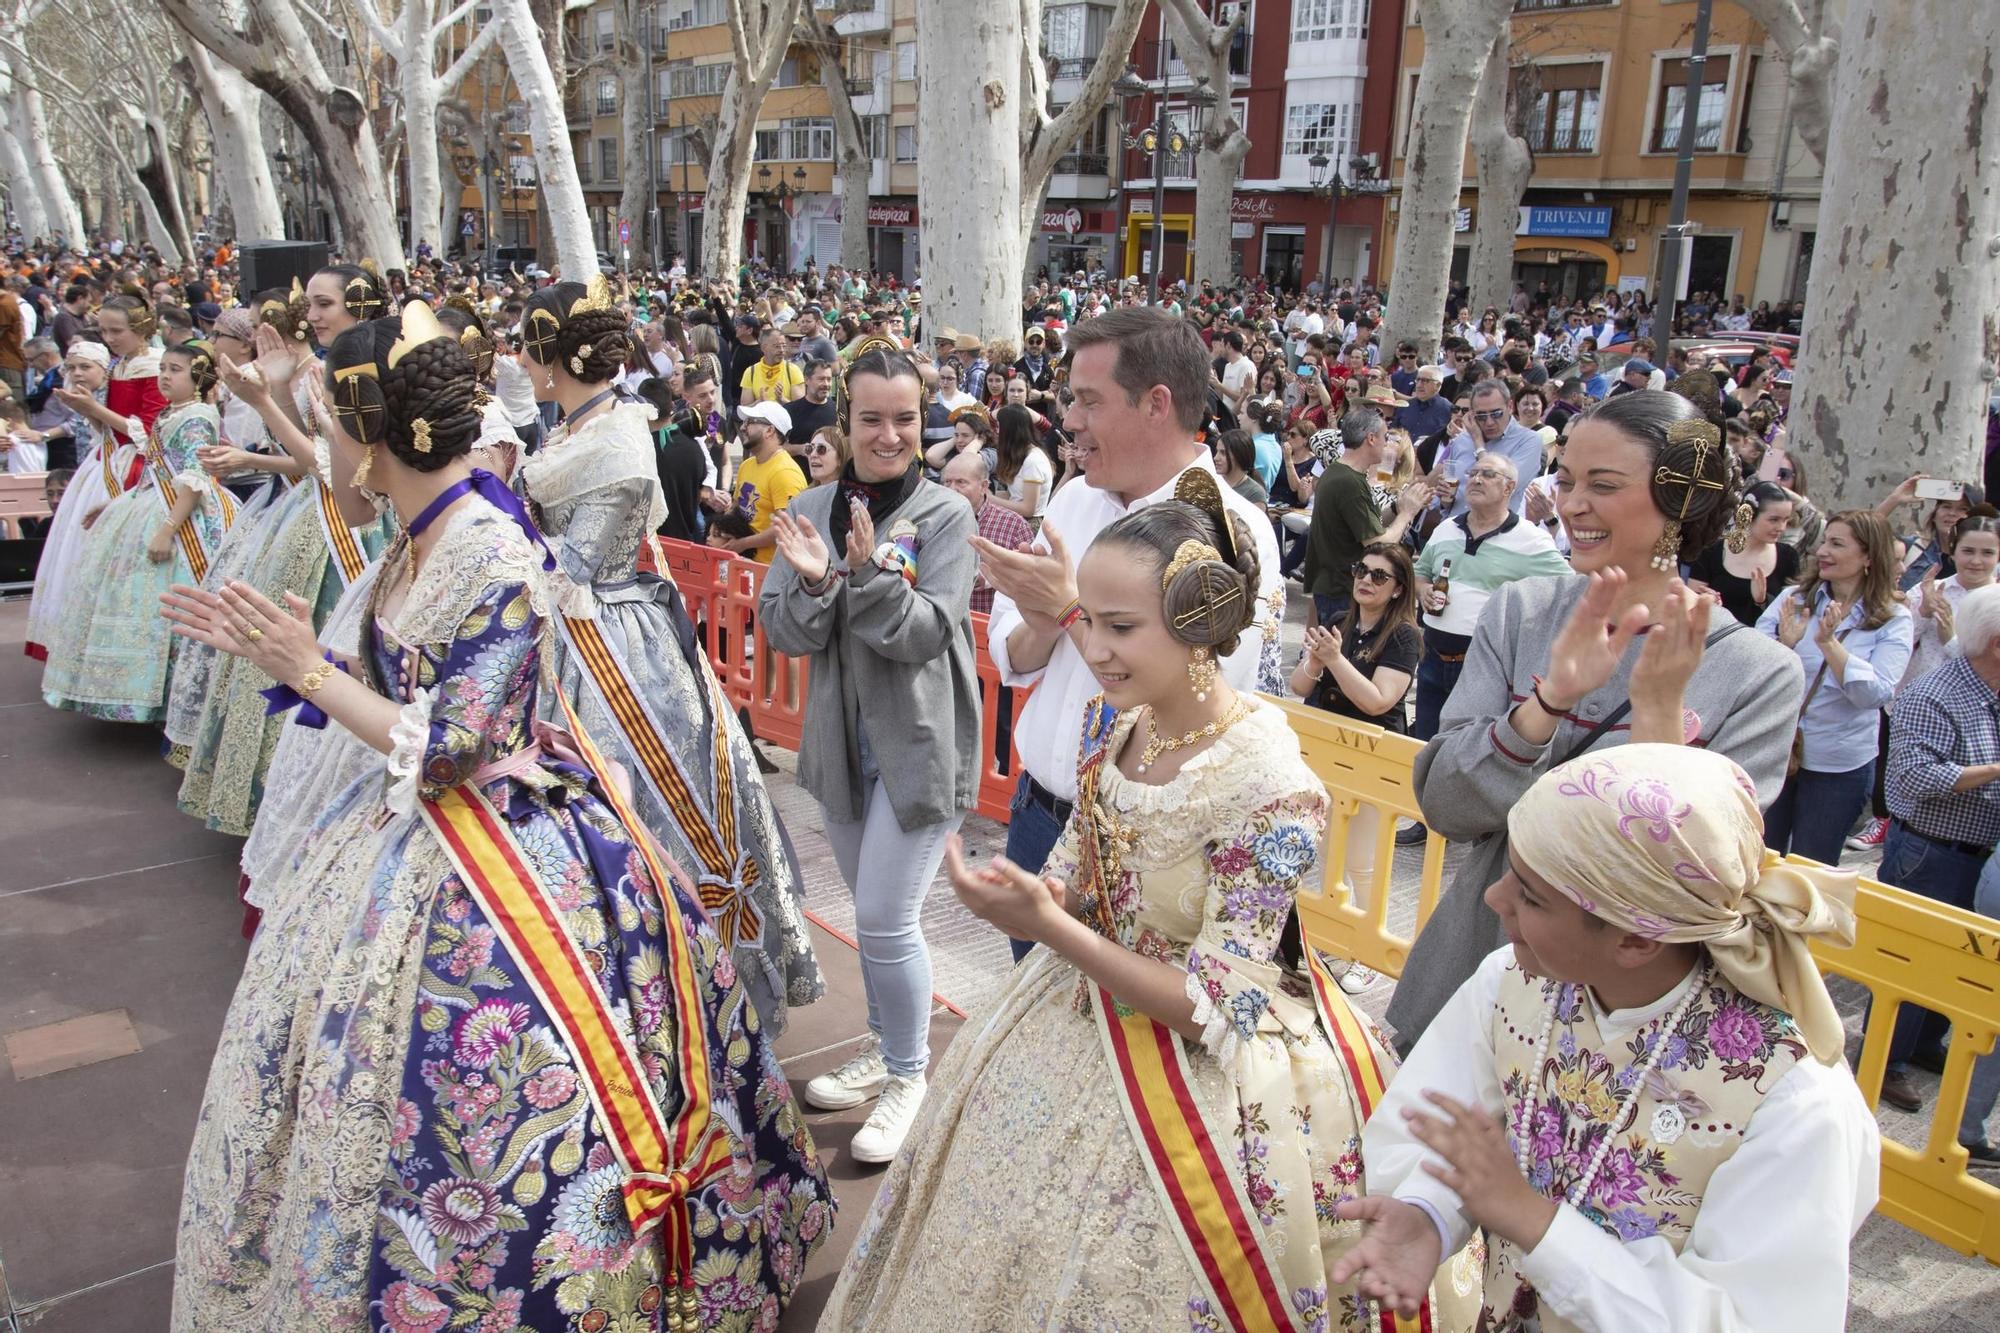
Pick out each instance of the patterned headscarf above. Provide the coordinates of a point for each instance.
(1666, 841)
(90, 351)
(1326, 446)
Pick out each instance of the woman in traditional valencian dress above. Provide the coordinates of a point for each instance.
(111, 653)
(318, 540)
(1158, 1032)
(1641, 1100)
(627, 654)
(100, 475)
(487, 1062)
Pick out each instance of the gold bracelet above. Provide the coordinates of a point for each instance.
(311, 683)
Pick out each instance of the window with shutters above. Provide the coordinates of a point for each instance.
(1566, 110)
(1709, 112)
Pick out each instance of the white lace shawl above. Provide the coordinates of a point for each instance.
(611, 447)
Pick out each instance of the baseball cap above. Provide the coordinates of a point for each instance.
(1782, 377)
(769, 413)
(1639, 364)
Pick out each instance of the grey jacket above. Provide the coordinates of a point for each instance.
(1746, 691)
(894, 658)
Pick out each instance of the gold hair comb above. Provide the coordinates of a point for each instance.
(1187, 553)
(419, 327)
(420, 435)
(596, 296)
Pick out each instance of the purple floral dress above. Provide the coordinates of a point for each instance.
(394, 1136)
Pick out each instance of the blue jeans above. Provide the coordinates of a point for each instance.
(1985, 1089)
(1942, 874)
(1435, 679)
(1814, 811)
(1031, 835)
(890, 871)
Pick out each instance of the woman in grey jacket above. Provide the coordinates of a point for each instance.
(891, 747)
(1645, 484)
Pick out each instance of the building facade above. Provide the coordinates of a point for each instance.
(1602, 108)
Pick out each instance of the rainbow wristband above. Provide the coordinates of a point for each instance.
(1070, 615)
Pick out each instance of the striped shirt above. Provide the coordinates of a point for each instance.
(1481, 566)
(1944, 723)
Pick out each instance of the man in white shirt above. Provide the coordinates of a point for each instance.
(1140, 379)
(1239, 372)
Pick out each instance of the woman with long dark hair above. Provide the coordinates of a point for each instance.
(1749, 567)
(1021, 465)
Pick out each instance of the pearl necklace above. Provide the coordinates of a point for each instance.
(1532, 1100)
(1156, 745)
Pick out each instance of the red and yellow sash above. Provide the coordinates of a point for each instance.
(188, 532)
(665, 1160)
(707, 817)
(1212, 1215)
(348, 557)
(113, 488)
(1367, 1077)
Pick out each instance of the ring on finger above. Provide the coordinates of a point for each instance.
(253, 634)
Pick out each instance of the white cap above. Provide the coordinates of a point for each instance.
(770, 413)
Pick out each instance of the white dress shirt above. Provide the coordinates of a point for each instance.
(1048, 730)
(1769, 1245)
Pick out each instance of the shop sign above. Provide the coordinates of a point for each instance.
(892, 215)
(1072, 220)
(1251, 208)
(1589, 220)
(1242, 231)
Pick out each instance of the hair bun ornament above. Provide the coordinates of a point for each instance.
(1198, 487)
(420, 435)
(419, 327)
(478, 350)
(596, 296)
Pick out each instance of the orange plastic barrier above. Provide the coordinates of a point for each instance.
(721, 592)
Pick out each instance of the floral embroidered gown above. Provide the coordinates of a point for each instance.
(393, 1136)
(102, 455)
(1022, 1199)
(596, 493)
(110, 653)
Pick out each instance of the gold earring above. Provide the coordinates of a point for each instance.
(1201, 673)
(1667, 550)
(1739, 530)
(361, 473)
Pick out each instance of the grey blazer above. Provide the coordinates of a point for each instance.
(894, 658)
(1477, 767)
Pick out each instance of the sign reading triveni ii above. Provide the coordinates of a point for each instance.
(1584, 220)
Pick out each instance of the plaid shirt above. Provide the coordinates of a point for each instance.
(1004, 528)
(1944, 723)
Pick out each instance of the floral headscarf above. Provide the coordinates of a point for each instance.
(1326, 447)
(1666, 841)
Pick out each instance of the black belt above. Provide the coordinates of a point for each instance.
(1963, 848)
(1049, 801)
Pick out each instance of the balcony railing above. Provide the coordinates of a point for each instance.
(607, 106)
(1075, 68)
(1567, 139)
(1083, 164)
(860, 87)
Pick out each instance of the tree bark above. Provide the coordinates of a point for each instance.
(850, 139)
(1458, 34)
(759, 32)
(561, 192)
(1204, 48)
(1504, 164)
(1810, 48)
(282, 62)
(235, 126)
(30, 122)
(161, 183)
(635, 109)
(1904, 295)
(23, 190)
(969, 166)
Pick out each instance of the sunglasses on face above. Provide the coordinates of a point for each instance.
(818, 449)
(1364, 572)
(1497, 414)
(1488, 474)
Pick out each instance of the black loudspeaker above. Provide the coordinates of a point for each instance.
(268, 264)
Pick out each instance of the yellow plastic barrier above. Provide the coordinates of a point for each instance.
(1907, 949)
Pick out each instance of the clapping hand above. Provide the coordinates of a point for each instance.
(1793, 617)
(1040, 583)
(1760, 587)
(800, 546)
(1002, 894)
(1323, 644)
(245, 382)
(1829, 621)
(860, 537)
(1673, 651)
(1591, 645)
(244, 623)
(1932, 600)
(1479, 1167)
(1540, 505)
(277, 362)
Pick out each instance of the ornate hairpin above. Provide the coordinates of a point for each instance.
(576, 361)
(1187, 553)
(419, 327)
(420, 435)
(369, 304)
(350, 397)
(537, 339)
(1197, 486)
(478, 350)
(596, 296)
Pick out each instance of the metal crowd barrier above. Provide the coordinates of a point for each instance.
(1909, 949)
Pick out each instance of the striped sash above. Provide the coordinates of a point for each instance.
(708, 817)
(1368, 1079)
(1212, 1217)
(348, 557)
(189, 532)
(113, 488)
(665, 1159)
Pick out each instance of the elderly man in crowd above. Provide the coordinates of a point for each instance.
(967, 474)
(1493, 430)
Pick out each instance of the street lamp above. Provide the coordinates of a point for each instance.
(1161, 137)
(1326, 179)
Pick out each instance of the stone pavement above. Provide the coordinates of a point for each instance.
(118, 921)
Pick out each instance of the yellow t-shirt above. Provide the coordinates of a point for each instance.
(773, 384)
(762, 489)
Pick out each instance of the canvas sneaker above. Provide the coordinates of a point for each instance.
(851, 1084)
(1870, 836)
(889, 1124)
(1355, 979)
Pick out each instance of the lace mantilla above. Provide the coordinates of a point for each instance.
(480, 547)
(609, 448)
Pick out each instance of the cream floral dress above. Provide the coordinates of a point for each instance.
(1022, 1199)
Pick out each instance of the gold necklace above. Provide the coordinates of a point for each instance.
(1157, 746)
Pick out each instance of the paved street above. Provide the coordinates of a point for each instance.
(118, 919)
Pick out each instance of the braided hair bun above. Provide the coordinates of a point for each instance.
(200, 357)
(425, 408)
(590, 342)
(1209, 574)
(1694, 477)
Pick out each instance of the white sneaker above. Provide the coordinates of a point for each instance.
(1356, 979)
(851, 1084)
(882, 1137)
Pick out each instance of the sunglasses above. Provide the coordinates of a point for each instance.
(1497, 414)
(816, 450)
(1363, 571)
(1488, 474)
